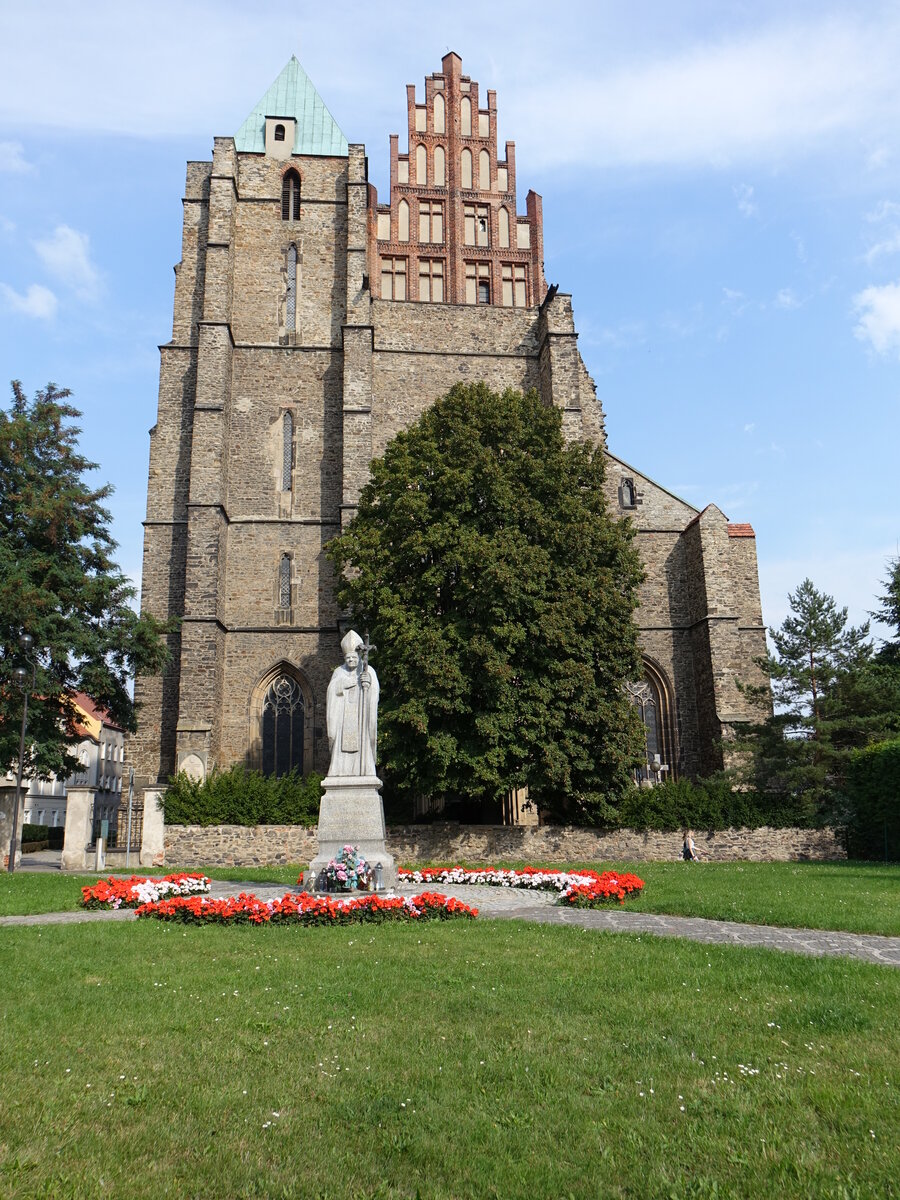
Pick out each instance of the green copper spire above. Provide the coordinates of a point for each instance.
(293, 95)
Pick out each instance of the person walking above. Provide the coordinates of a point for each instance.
(688, 849)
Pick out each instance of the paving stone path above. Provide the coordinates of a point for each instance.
(541, 907)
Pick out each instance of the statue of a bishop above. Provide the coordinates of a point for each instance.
(352, 711)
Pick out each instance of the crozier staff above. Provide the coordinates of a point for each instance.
(352, 711)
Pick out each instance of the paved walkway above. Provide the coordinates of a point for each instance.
(541, 907)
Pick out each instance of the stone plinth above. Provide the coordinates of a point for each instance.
(79, 821)
(153, 836)
(351, 813)
(8, 796)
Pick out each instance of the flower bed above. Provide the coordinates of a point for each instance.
(131, 893)
(581, 889)
(304, 909)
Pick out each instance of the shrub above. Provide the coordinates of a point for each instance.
(873, 796)
(241, 797)
(711, 803)
(35, 833)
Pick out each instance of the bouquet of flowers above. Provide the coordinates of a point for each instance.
(343, 873)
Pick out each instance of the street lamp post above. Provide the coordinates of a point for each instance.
(20, 677)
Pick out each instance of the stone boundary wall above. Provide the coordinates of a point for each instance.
(269, 845)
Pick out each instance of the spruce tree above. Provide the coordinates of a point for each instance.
(59, 583)
(500, 593)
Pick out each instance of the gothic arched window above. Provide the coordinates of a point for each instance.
(650, 696)
(439, 114)
(290, 196)
(279, 133)
(282, 727)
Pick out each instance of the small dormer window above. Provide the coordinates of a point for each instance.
(279, 133)
(627, 494)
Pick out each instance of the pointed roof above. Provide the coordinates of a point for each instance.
(293, 95)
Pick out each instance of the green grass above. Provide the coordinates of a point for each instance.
(853, 896)
(479, 1060)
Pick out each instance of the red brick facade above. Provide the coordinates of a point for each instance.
(459, 238)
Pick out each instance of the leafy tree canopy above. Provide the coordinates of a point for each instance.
(59, 583)
(500, 594)
(832, 696)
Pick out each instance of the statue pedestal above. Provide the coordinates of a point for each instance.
(351, 814)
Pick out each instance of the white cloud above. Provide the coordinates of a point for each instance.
(774, 93)
(787, 298)
(878, 309)
(6, 225)
(747, 206)
(749, 427)
(37, 302)
(12, 158)
(66, 255)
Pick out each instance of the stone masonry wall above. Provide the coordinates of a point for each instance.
(268, 845)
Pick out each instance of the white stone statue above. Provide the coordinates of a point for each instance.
(352, 711)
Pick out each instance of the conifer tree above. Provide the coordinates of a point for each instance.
(500, 593)
(59, 583)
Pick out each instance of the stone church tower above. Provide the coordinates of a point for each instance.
(311, 324)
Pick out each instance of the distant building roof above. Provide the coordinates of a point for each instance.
(94, 717)
(741, 531)
(293, 95)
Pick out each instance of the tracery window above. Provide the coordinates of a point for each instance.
(290, 196)
(650, 698)
(282, 727)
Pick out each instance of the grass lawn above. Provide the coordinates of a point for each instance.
(491, 1059)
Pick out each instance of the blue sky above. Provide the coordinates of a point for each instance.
(721, 187)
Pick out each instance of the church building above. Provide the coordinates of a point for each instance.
(312, 322)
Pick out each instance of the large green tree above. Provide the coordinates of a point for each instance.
(59, 583)
(500, 593)
(832, 696)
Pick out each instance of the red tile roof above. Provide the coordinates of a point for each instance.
(741, 531)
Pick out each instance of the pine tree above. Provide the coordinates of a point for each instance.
(829, 700)
(500, 592)
(59, 583)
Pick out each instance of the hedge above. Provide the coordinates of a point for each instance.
(873, 797)
(241, 797)
(709, 804)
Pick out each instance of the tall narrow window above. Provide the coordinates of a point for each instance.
(290, 196)
(421, 165)
(502, 179)
(439, 114)
(282, 727)
(284, 582)
(403, 221)
(466, 164)
(287, 451)
(484, 171)
(514, 286)
(478, 283)
(651, 698)
(403, 170)
(431, 221)
(503, 226)
(431, 280)
(476, 225)
(393, 279)
(440, 176)
(465, 117)
(290, 318)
